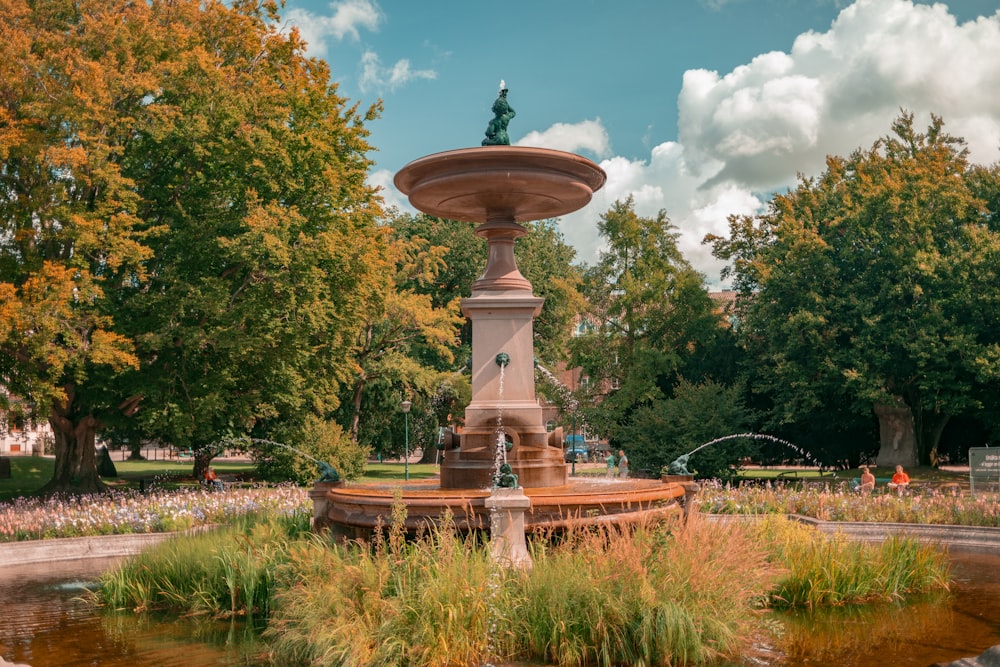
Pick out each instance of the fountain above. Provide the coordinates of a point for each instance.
(498, 187)
(679, 465)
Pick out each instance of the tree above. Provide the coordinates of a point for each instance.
(650, 313)
(69, 218)
(400, 321)
(183, 193)
(861, 287)
(696, 414)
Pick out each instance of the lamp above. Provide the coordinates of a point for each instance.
(405, 407)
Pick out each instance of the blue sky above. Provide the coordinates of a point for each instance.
(699, 107)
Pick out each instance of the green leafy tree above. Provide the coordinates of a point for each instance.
(403, 328)
(650, 313)
(546, 260)
(184, 196)
(873, 286)
(696, 414)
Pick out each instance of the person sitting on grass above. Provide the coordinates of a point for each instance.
(900, 481)
(212, 480)
(867, 481)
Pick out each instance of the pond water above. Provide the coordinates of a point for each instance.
(963, 623)
(45, 624)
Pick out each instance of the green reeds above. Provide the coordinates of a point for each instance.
(827, 570)
(221, 572)
(665, 593)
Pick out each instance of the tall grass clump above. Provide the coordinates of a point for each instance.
(654, 595)
(223, 571)
(424, 601)
(657, 594)
(824, 570)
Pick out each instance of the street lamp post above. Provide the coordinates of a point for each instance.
(573, 448)
(405, 407)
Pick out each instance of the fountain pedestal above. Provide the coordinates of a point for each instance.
(501, 187)
(507, 544)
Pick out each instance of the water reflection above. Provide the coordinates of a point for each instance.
(943, 628)
(45, 624)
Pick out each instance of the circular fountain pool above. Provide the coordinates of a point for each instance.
(355, 509)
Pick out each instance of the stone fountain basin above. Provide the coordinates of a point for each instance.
(519, 183)
(354, 510)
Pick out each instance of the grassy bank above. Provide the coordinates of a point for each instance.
(658, 594)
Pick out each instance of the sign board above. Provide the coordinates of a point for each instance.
(984, 469)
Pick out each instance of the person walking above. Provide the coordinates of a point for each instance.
(622, 464)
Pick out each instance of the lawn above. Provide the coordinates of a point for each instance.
(30, 473)
(381, 472)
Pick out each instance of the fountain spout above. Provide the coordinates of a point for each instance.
(679, 465)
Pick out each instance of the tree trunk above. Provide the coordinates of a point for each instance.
(934, 438)
(359, 387)
(897, 435)
(76, 460)
(202, 459)
(135, 452)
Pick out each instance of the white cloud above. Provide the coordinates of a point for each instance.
(392, 197)
(376, 77)
(664, 182)
(838, 90)
(748, 133)
(347, 18)
(588, 135)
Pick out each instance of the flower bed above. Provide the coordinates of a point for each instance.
(835, 504)
(122, 512)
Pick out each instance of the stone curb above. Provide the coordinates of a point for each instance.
(968, 538)
(76, 548)
(972, 538)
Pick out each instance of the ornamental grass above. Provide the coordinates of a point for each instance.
(652, 595)
(832, 570)
(664, 593)
(225, 571)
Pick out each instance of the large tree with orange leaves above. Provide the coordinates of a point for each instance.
(186, 236)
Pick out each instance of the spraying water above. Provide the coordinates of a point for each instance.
(679, 465)
(564, 392)
(500, 450)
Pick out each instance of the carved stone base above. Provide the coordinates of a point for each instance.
(507, 545)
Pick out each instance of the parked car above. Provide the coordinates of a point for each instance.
(576, 453)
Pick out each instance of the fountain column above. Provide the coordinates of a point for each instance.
(502, 310)
(500, 187)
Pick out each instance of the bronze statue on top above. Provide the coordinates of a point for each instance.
(496, 131)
